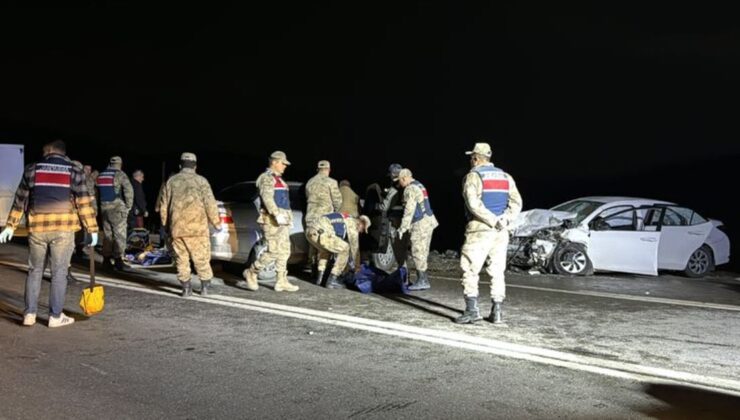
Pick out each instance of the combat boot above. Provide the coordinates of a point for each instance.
(283, 285)
(422, 281)
(187, 289)
(472, 312)
(496, 314)
(251, 277)
(334, 283)
(204, 286)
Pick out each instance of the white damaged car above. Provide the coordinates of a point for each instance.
(618, 234)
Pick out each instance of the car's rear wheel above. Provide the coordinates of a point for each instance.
(384, 260)
(700, 263)
(571, 259)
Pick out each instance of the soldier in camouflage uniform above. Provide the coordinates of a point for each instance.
(276, 220)
(492, 202)
(187, 207)
(116, 199)
(338, 234)
(419, 220)
(323, 197)
(90, 179)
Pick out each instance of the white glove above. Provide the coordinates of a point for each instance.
(93, 239)
(6, 235)
(281, 219)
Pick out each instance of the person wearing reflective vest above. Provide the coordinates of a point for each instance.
(338, 234)
(116, 199)
(276, 221)
(492, 202)
(54, 197)
(419, 220)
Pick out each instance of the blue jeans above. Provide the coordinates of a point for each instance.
(61, 246)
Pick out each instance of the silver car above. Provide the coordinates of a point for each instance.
(240, 240)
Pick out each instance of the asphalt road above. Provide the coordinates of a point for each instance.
(595, 347)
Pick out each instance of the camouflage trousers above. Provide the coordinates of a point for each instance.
(313, 252)
(421, 238)
(197, 249)
(478, 248)
(327, 243)
(114, 230)
(278, 248)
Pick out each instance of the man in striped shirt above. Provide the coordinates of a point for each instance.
(54, 196)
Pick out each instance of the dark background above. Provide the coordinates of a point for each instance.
(596, 100)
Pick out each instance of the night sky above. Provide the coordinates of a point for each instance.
(575, 101)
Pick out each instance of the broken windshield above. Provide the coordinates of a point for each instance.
(580, 207)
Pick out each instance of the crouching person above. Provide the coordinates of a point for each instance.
(338, 234)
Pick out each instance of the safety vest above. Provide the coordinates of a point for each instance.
(282, 193)
(424, 208)
(52, 191)
(495, 189)
(338, 222)
(106, 186)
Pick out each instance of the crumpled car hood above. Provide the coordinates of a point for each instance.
(530, 221)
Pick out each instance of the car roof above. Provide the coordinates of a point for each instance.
(624, 200)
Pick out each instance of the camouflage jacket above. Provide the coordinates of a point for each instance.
(188, 206)
(323, 224)
(483, 219)
(322, 195)
(269, 209)
(124, 190)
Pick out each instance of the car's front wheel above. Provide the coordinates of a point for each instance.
(700, 263)
(571, 259)
(386, 259)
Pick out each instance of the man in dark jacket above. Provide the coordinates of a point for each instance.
(138, 211)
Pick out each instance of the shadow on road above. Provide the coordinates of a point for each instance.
(11, 307)
(426, 305)
(684, 402)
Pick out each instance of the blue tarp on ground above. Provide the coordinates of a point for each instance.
(374, 280)
(156, 257)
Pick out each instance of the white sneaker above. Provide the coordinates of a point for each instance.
(61, 321)
(29, 319)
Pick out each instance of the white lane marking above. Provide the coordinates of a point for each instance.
(484, 345)
(100, 371)
(680, 302)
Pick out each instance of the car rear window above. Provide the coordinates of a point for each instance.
(244, 192)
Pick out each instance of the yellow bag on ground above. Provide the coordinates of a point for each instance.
(93, 297)
(92, 300)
